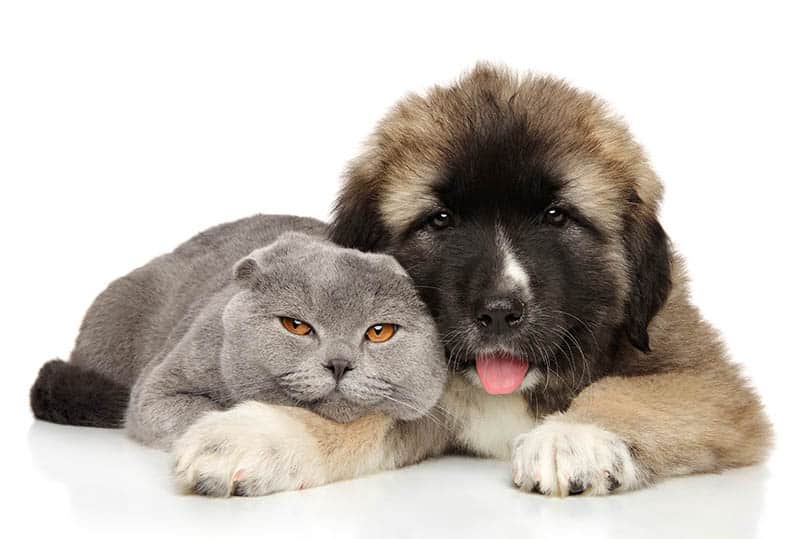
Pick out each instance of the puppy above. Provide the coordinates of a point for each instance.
(527, 217)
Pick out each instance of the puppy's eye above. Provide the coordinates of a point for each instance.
(441, 219)
(555, 216)
(381, 332)
(298, 327)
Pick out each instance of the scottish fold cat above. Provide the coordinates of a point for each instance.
(262, 309)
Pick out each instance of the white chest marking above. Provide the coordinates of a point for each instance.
(487, 423)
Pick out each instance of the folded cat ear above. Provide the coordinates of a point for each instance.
(396, 266)
(251, 269)
(246, 271)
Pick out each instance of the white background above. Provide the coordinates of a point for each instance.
(125, 127)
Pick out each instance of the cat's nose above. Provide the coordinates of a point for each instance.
(338, 367)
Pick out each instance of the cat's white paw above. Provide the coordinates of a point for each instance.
(251, 450)
(560, 458)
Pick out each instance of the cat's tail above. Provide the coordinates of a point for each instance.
(71, 395)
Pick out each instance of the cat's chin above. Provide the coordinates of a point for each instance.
(336, 407)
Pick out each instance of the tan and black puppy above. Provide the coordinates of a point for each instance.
(527, 216)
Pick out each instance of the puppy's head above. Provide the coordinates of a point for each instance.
(527, 217)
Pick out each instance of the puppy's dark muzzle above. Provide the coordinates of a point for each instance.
(500, 316)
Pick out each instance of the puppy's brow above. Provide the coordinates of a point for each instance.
(423, 215)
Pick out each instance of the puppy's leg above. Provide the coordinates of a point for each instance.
(623, 432)
(256, 449)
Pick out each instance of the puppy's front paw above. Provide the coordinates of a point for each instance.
(251, 450)
(560, 458)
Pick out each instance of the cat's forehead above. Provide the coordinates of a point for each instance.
(322, 261)
(298, 249)
(339, 283)
(358, 274)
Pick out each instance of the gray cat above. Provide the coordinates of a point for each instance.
(259, 309)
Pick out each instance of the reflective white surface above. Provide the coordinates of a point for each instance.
(97, 482)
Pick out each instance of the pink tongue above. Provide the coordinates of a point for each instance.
(501, 374)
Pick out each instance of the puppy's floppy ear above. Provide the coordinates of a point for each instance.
(649, 265)
(357, 222)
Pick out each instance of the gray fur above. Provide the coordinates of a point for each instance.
(198, 330)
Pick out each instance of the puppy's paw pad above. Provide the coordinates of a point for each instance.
(560, 458)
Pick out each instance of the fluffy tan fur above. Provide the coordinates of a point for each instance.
(683, 408)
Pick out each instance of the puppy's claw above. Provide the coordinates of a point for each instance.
(209, 486)
(576, 486)
(613, 482)
(239, 490)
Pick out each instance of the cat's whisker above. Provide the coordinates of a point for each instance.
(422, 413)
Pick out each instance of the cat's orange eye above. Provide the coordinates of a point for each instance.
(298, 327)
(381, 332)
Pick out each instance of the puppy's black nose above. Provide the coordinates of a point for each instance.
(499, 315)
(338, 367)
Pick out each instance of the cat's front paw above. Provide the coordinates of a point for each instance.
(251, 450)
(560, 458)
